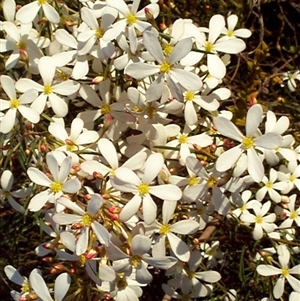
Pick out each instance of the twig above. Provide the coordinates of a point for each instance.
(210, 228)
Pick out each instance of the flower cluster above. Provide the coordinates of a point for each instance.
(132, 158)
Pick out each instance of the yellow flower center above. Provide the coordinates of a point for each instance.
(293, 215)
(5, 194)
(22, 45)
(247, 142)
(182, 139)
(82, 259)
(165, 229)
(285, 272)
(209, 47)
(25, 287)
(41, 2)
(99, 33)
(135, 261)
(137, 109)
(151, 111)
(211, 182)
(191, 274)
(131, 19)
(48, 89)
(14, 103)
(193, 181)
(269, 185)
(122, 283)
(168, 48)
(189, 95)
(70, 145)
(258, 219)
(165, 67)
(292, 178)
(87, 220)
(143, 189)
(105, 109)
(230, 33)
(56, 187)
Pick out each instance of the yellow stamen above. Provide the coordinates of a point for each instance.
(48, 89)
(182, 139)
(165, 229)
(14, 103)
(131, 19)
(165, 67)
(56, 187)
(247, 142)
(87, 220)
(143, 189)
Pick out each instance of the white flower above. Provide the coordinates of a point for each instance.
(261, 220)
(14, 105)
(88, 220)
(186, 141)
(57, 186)
(247, 144)
(292, 214)
(284, 271)
(290, 175)
(130, 21)
(77, 137)
(231, 33)
(139, 258)
(127, 181)
(167, 69)
(28, 12)
(270, 186)
(166, 229)
(48, 90)
(61, 286)
(291, 78)
(246, 204)
(6, 183)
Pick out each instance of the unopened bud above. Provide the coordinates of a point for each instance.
(97, 79)
(87, 197)
(24, 55)
(149, 15)
(228, 143)
(43, 148)
(48, 259)
(253, 100)
(115, 209)
(91, 254)
(162, 26)
(98, 175)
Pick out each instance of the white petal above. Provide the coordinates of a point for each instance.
(13, 275)
(61, 286)
(36, 176)
(47, 69)
(101, 233)
(59, 106)
(255, 166)
(153, 166)
(130, 208)
(108, 151)
(82, 242)
(50, 13)
(153, 46)
(229, 158)
(39, 286)
(226, 128)
(254, 118)
(149, 209)
(166, 192)
(140, 244)
(185, 226)
(27, 13)
(180, 249)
